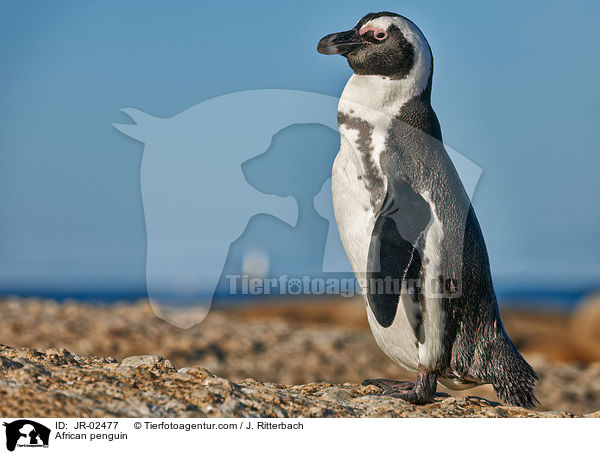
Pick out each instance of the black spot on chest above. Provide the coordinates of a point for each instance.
(372, 177)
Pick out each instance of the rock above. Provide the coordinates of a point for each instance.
(6, 363)
(150, 361)
(272, 349)
(585, 329)
(94, 387)
(61, 356)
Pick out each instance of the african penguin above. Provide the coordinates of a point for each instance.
(407, 224)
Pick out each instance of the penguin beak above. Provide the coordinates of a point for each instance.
(340, 43)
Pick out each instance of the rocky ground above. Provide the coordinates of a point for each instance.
(289, 345)
(56, 383)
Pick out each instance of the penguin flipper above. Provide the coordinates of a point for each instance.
(394, 259)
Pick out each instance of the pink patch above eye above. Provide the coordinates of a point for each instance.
(376, 31)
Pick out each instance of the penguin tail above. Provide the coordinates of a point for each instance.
(512, 377)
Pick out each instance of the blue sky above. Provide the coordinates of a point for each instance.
(515, 88)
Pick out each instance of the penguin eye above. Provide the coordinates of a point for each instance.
(380, 36)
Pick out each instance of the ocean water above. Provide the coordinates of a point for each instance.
(539, 298)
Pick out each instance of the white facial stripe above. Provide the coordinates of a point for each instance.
(422, 66)
(375, 30)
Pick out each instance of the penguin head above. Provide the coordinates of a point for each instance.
(384, 44)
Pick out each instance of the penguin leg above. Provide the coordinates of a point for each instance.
(422, 392)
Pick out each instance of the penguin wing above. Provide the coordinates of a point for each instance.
(394, 259)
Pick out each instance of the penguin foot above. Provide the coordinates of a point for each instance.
(390, 386)
(421, 391)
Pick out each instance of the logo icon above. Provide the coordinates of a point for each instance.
(26, 433)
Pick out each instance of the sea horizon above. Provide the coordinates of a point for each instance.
(534, 297)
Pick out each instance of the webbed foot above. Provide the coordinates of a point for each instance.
(421, 391)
